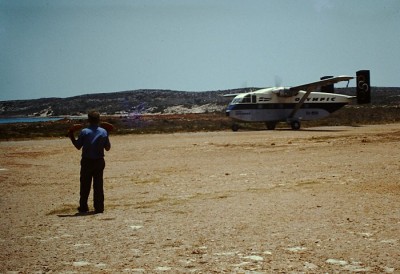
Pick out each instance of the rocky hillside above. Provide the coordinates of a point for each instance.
(151, 101)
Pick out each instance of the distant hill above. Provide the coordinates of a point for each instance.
(151, 101)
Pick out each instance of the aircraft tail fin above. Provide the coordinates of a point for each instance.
(363, 87)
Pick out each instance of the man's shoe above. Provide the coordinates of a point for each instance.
(83, 210)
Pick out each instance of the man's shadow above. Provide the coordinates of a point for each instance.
(78, 214)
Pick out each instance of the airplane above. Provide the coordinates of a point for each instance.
(292, 105)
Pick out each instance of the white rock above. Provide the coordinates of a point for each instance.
(80, 245)
(356, 268)
(225, 254)
(80, 263)
(254, 258)
(389, 241)
(308, 265)
(336, 262)
(134, 270)
(388, 269)
(163, 268)
(296, 248)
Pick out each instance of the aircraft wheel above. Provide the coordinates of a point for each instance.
(295, 125)
(270, 125)
(235, 127)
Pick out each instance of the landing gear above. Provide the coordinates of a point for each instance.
(270, 125)
(295, 124)
(235, 127)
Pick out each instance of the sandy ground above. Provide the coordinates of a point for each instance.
(321, 200)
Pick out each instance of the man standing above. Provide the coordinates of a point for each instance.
(93, 139)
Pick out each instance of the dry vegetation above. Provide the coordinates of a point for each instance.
(216, 121)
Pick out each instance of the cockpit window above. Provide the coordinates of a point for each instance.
(246, 99)
(236, 100)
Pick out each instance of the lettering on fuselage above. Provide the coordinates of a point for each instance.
(318, 99)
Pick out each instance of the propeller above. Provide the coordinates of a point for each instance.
(278, 81)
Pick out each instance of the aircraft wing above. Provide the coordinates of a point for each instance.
(231, 95)
(313, 86)
(310, 86)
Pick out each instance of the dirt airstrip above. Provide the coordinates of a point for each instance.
(318, 200)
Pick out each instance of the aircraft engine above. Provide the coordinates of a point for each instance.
(329, 88)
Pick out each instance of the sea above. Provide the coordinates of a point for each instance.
(12, 120)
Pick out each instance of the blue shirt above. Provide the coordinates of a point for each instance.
(93, 139)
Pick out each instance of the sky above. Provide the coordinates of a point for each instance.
(64, 48)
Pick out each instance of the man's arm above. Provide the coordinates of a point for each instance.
(107, 145)
(73, 140)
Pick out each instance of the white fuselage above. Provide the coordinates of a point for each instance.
(277, 104)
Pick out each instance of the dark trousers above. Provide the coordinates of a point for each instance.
(92, 169)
